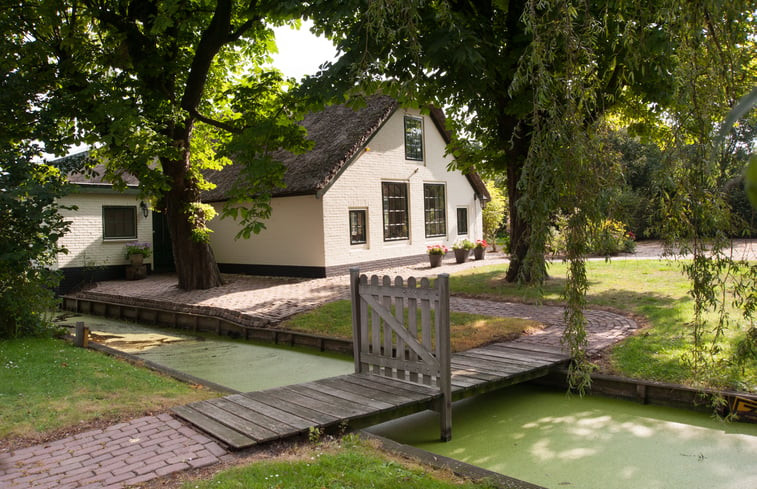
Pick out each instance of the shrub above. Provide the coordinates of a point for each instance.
(31, 228)
(608, 237)
(494, 214)
(611, 237)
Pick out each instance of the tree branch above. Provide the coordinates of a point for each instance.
(234, 36)
(213, 38)
(214, 123)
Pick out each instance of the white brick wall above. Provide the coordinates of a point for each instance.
(85, 243)
(360, 187)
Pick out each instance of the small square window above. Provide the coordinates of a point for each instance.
(357, 227)
(413, 138)
(462, 220)
(120, 222)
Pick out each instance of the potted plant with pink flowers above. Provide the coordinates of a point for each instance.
(435, 254)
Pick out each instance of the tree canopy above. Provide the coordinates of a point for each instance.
(164, 90)
(534, 83)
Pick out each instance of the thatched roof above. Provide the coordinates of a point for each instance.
(338, 133)
(74, 165)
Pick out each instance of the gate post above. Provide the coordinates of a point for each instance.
(445, 377)
(356, 327)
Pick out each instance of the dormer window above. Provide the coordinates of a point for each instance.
(413, 138)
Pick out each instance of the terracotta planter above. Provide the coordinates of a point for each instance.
(479, 253)
(435, 260)
(461, 256)
(136, 259)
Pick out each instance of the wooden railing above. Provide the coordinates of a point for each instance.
(402, 331)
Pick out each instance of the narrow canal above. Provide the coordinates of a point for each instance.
(241, 365)
(542, 436)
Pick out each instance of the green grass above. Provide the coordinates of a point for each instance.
(47, 384)
(653, 289)
(467, 330)
(355, 465)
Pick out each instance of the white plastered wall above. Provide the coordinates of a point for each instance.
(84, 241)
(293, 236)
(359, 187)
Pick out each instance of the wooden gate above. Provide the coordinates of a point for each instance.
(402, 331)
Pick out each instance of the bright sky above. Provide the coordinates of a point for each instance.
(300, 51)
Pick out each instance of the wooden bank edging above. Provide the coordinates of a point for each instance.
(207, 322)
(656, 393)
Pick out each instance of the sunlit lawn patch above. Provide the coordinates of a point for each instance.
(352, 466)
(467, 330)
(653, 289)
(47, 384)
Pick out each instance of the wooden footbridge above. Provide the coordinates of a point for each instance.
(403, 365)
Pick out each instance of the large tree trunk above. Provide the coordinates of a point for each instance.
(515, 136)
(519, 228)
(195, 263)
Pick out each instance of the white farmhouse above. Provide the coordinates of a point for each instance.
(374, 191)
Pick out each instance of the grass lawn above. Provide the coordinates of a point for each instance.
(654, 289)
(467, 330)
(47, 384)
(353, 465)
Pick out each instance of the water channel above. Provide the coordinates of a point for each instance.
(242, 365)
(542, 436)
(528, 432)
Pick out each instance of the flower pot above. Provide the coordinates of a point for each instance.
(479, 253)
(136, 259)
(435, 260)
(461, 255)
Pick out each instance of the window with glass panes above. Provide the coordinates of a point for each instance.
(394, 198)
(434, 209)
(413, 138)
(120, 222)
(462, 220)
(357, 226)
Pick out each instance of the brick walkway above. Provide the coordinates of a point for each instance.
(127, 453)
(263, 301)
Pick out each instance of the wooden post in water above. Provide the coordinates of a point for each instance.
(356, 329)
(81, 338)
(444, 352)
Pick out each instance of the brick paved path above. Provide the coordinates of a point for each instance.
(268, 300)
(127, 453)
